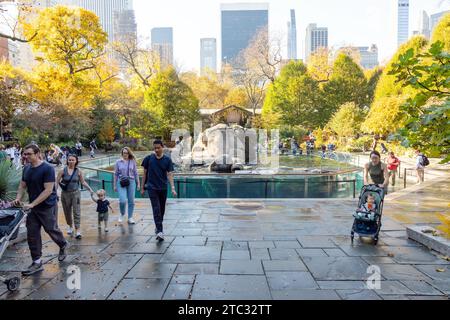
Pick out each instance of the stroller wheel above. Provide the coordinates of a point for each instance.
(13, 284)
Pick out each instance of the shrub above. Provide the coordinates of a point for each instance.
(9, 181)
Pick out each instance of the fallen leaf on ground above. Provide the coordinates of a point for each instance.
(440, 270)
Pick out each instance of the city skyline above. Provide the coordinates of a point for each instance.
(370, 22)
(240, 23)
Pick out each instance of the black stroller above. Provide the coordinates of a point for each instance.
(367, 223)
(10, 221)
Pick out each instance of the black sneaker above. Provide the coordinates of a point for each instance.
(33, 268)
(62, 253)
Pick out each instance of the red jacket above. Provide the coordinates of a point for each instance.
(393, 163)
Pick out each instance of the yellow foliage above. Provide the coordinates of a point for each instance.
(445, 226)
(319, 65)
(384, 116)
(388, 84)
(52, 86)
(70, 37)
(237, 97)
(442, 32)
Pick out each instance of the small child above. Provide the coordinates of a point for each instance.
(369, 208)
(102, 208)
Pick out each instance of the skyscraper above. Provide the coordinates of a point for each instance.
(162, 43)
(104, 9)
(369, 56)
(208, 54)
(403, 21)
(124, 26)
(240, 24)
(423, 26)
(434, 19)
(316, 37)
(292, 37)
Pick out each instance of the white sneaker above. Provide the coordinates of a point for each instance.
(160, 236)
(131, 221)
(69, 231)
(120, 219)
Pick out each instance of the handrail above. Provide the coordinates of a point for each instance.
(404, 175)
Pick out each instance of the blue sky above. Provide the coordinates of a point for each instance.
(349, 22)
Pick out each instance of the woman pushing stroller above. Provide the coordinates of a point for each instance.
(367, 221)
(376, 172)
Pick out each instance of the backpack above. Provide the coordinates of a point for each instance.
(424, 161)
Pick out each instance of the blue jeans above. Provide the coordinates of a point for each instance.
(126, 194)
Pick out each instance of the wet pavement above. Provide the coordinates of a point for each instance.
(245, 249)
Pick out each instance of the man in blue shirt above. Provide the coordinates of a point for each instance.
(38, 179)
(158, 169)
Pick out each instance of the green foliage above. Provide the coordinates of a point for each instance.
(294, 99)
(347, 84)
(361, 144)
(298, 132)
(171, 102)
(372, 76)
(9, 181)
(346, 122)
(427, 112)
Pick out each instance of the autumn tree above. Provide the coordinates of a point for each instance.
(107, 132)
(385, 116)
(257, 65)
(68, 37)
(427, 112)
(347, 84)
(142, 63)
(293, 99)
(207, 88)
(12, 24)
(236, 96)
(172, 103)
(319, 65)
(346, 122)
(388, 84)
(14, 92)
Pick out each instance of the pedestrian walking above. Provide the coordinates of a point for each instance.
(158, 169)
(38, 179)
(126, 182)
(69, 180)
(392, 165)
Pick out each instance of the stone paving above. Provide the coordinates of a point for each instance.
(245, 249)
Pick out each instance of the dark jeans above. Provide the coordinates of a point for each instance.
(158, 199)
(46, 218)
